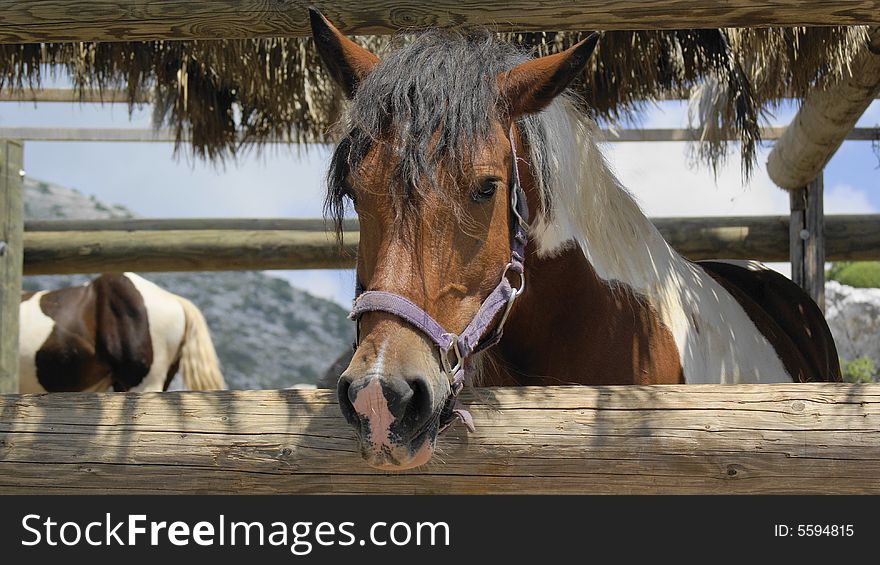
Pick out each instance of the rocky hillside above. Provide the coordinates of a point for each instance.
(854, 317)
(268, 334)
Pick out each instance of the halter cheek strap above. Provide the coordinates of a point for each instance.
(456, 350)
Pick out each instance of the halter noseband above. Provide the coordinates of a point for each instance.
(456, 349)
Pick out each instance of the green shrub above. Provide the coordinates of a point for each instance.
(860, 370)
(863, 274)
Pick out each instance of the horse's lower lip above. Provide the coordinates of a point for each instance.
(391, 461)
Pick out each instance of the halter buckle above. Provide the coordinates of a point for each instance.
(499, 328)
(444, 356)
(522, 280)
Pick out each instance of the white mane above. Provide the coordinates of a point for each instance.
(584, 204)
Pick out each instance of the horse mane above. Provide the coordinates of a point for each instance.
(584, 202)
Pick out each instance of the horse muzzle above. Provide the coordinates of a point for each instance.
(396, 418)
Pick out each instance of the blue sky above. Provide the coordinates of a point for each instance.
(150, 180)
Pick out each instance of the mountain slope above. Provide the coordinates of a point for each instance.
(268, 334)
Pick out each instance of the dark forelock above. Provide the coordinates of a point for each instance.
(428, 103)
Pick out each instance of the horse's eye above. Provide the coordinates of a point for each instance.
(485, 190)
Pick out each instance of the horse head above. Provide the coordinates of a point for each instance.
(428, 159)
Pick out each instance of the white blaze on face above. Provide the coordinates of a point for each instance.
(370, 403)
(33, 330)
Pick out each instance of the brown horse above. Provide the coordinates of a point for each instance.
(444, 140)
(119, 330)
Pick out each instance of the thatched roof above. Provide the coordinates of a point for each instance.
(232, 94)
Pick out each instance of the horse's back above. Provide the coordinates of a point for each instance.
(785, 314)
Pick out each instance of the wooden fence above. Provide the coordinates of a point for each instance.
(724, 439)
(144, 135)
(92, 246)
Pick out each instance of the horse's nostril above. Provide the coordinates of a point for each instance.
(398, 393)
(343, 394)
(399, 404)
(422, 402)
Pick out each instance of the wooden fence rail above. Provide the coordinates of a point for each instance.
(165, 224)
(135, 20)
(184, 250)
(146, 135)
(724, 439)
(187, 245)
(120, 96)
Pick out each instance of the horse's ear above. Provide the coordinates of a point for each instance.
(531, 86)
(348, 63)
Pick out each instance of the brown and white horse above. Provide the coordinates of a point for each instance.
(118, 330)
(441, 136)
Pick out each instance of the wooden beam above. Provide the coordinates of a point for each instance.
(170, 245)
(135, 20)
(190, 250)
(109, 96)
(128, 135)
(11, 257)
(166, 136)
(824, 120)
(148, 224)
(116, 96)
(670, 439)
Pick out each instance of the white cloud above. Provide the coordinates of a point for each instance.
(846, 199)
(658, 176)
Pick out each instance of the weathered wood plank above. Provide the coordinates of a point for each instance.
(142, 135)
(170, 245)
(824, 120)
(813, 438)
(135, 20)
(190, 250)
(11, 258)
(807, 239)
(165, 224)
(106, 96)
(117, 96)
(814, 248)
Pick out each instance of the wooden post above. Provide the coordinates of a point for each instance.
(807, 239)
(825, 119)
(11, 260)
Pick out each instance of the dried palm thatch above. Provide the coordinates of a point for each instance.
(233, 94)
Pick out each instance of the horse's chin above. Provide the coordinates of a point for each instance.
(400, 457)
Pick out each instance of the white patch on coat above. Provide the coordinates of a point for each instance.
(167, 326)
(34, 329)
(716, 339)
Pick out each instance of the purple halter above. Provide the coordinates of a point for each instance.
(456, 350)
